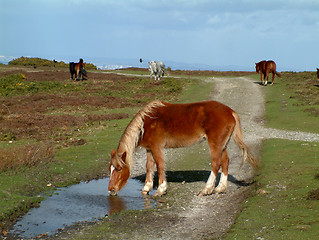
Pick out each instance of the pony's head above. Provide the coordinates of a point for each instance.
(257, 68)
(119, 172)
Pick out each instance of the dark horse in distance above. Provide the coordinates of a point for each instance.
(78, 69)
(266, 67)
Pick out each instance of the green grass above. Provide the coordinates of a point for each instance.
(281, 209)
(293, 102)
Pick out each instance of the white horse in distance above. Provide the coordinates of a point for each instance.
(156, 68)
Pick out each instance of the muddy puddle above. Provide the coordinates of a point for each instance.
(79, 203)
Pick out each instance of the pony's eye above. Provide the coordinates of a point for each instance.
(118, 170)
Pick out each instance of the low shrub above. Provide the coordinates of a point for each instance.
(26, 156)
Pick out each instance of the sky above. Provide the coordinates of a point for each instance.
(215, 33)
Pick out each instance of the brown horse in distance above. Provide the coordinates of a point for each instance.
(266, 67)
(78, 69)
(318, 73)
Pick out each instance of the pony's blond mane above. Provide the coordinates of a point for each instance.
(134, 131)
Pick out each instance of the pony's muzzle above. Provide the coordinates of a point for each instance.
(112, 192)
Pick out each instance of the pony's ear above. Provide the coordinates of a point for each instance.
(124, 157)
(113, 152)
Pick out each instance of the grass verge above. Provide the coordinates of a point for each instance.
(282, 207)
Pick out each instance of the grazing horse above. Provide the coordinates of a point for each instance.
(156, 68)
(162, 125)
(318, 73)
(266, 67)
(78, 69)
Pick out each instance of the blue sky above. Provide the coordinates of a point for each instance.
(215, 33)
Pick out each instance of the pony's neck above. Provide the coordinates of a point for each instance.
(129, 153)
(134, 131)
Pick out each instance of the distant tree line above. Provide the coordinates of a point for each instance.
(39, 62)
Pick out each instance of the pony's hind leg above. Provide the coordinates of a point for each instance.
(266, 77)
(210, 185)
(273, 77)
(215, 153)
(149, 173)
(222, 185)
(261, 78)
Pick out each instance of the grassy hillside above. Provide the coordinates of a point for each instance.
(39, 62)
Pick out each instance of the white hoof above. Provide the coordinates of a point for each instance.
(161, 190)
(147, 187)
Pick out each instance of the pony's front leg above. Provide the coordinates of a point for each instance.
(149, 173)
(158, 156)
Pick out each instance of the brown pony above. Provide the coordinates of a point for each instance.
(266, 67)
(162, 125)
(318, 73)
(78, 69)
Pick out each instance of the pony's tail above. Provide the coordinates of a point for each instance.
(238, 138)
(278, 74)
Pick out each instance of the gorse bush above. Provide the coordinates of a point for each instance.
(173, 85)
(16, 84)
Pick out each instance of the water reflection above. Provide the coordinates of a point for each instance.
(78, 203)
(115, 204)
